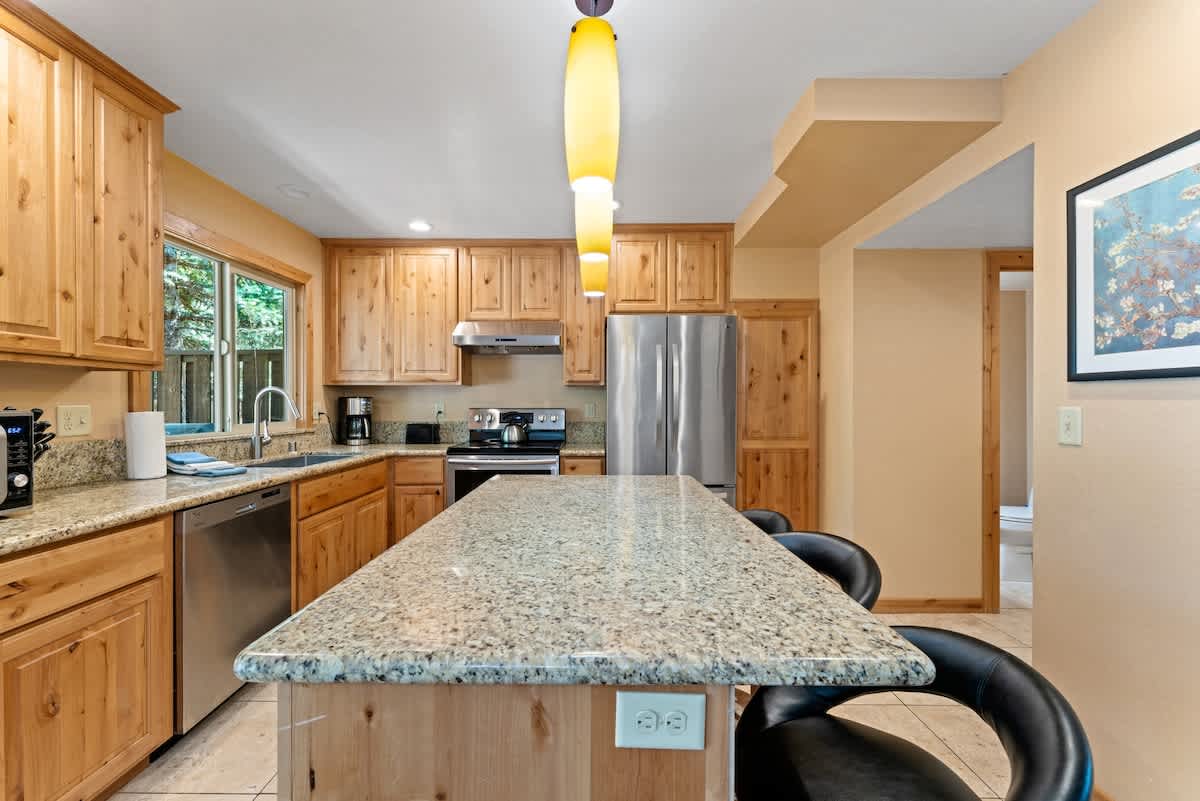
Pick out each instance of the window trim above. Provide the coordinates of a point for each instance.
(190, 235)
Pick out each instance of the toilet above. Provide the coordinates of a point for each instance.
(1016, 542)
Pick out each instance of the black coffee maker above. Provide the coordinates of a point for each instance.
(354, 421)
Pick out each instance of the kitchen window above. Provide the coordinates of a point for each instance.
(228, 332)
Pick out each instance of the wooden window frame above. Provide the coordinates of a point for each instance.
(189, 234)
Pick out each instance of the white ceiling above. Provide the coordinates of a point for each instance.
(451, 110)
(992, 210)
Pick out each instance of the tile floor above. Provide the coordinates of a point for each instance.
(231, 756)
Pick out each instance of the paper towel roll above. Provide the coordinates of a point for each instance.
(146, 444)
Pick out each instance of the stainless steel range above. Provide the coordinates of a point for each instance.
(505, 442)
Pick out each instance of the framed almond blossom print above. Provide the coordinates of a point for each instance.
(1133, 269)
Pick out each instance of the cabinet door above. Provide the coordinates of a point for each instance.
(537, 287)
(120, 242)
(427, 307)
(37, 211)
(415, 506)
(583, 328)
(637, 280)
(778, 398)
(358, 287)
(370, 519)
(326, 551)
(696, 272)
(487, 284)
(87, 694)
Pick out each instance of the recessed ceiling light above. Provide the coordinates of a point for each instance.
(420, 226)
(293, 191)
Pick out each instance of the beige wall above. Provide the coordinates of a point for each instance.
(533, 380)
(194, 194)
(771, 273)
(918, 335)
(1116, 594)
(1015, 387)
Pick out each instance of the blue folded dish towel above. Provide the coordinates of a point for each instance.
(194, 463)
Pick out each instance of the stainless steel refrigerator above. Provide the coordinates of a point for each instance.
(672, 398)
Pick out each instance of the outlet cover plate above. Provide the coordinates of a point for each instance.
(1070, 425)
(74, 421)
(678, 717)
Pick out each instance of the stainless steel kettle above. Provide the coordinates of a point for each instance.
(514, 434)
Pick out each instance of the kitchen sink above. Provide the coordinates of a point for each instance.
(304, 460)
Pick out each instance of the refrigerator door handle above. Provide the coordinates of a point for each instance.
(659, 399)
(675, 382)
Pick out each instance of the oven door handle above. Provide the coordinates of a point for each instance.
(470, 462)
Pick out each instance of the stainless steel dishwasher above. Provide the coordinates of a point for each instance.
(232, 584)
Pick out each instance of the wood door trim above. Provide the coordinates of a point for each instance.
(51, 28)
(995, 262)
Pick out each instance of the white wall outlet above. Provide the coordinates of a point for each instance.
(74, 421)
(672, 721)
(1070, 425)
(589, 410)
(439, 407)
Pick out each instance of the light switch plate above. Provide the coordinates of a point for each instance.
(74, 421)
(1070, 425)
(665, 721)
(589, 410)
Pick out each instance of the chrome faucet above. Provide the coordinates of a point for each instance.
(262, 436)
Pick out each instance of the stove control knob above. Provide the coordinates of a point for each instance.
(541, 418)
(19, 480)
(477, 418)
(554, 418)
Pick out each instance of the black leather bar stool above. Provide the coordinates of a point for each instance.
(769, 521)
(789, 747)
(847, 563)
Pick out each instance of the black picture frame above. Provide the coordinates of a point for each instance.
(1073, 301)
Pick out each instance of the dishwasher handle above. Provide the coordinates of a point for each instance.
(245, 510)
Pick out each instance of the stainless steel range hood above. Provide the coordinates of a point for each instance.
(509, 336)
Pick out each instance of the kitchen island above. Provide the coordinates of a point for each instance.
(480, 658)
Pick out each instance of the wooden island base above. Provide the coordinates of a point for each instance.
(398, 742)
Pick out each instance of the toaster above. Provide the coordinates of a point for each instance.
(16, 460)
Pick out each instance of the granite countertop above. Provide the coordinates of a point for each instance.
(625, 580)
(68, 512)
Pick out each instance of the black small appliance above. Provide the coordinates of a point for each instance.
(16, 459)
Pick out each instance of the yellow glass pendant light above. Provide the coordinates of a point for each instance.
(592, 104)
(593, 277)
(594, 224)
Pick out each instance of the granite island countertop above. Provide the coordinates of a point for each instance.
(62, 514)
(624, 580)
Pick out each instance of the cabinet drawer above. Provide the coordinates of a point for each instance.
(582, 466)
(419, 470)
(318, 494)
(40, 584)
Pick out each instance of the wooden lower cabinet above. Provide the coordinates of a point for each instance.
(86, 692)
(334, 543)
(415, 506)
(418, 494)
(581, 466)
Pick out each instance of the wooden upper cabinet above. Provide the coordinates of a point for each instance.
(37, 248)
(583, 328)
(121, 246)
(637, 280)
(697, 277)
(427, 311)
(359, 325)
(537, 283)
(487, 284)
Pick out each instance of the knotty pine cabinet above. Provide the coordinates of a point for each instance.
(341, 524)
(81, 245)
(583, 328)
(518, 283)
(684, 271)
(581, 466)
(418, 493)
(390, 313)
(85, 661)
(778, 397)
